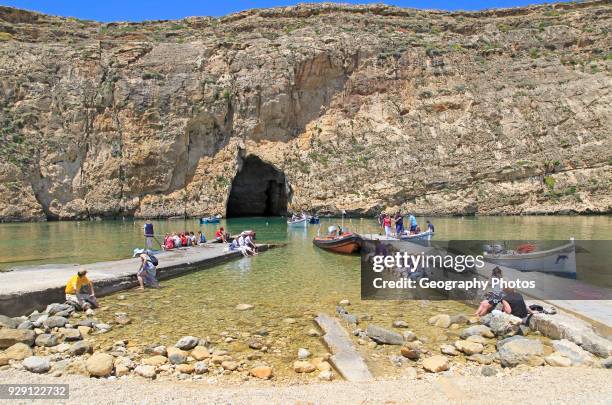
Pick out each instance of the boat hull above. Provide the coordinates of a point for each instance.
(297, 224)
(346, 244)
(561, 260)
(209, 220)
(427, 235)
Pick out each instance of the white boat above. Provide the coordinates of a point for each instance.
(560, 260)
(427, 235)
(298, 222)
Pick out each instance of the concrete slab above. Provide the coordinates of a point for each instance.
(345, 358)
(26, 289)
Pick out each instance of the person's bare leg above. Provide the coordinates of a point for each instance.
(141, 282)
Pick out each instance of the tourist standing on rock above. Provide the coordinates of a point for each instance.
(74, 291)
(148, 234)
(399, 224)
(147, 273)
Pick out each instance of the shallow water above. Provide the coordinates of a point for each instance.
(287, 285)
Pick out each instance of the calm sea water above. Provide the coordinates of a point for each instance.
(287, 285)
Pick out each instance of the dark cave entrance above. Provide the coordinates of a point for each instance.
(259, 189)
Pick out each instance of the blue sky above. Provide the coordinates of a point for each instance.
(138, 10)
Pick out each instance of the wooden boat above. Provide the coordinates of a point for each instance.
(346, 243)
(313, 220)
(559, 260)
(299, 222)
(427, 235)
(210, 220)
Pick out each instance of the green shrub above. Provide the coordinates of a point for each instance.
(549, 181)
(5, 36)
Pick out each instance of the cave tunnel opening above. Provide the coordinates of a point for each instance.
(259, 189)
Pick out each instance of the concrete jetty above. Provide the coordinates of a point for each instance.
(345, 357)
(25, 290)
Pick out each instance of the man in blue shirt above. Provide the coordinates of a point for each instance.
(413, 222)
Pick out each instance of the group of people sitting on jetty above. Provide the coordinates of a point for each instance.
(183, 239)
(244, 243)
(387, 223)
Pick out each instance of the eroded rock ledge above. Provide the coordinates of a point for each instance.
(358, 107)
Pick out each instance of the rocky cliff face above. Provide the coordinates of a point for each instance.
(357, 107)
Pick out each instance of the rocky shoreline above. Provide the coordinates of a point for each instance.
(60, 341)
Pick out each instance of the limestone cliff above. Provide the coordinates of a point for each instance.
(357, 108)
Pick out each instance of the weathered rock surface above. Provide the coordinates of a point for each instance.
(577, 355)
(145, 371)
(262, 372)
(187, 342)
(481, 330)
(80, 348)
(18, 351)
(156, 118)
(176, 355)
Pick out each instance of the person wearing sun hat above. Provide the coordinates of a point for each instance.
(148, 269)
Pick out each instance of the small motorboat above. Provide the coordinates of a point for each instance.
(346, 243)
(560, 260)
(210, 220)
(427, 235)
(313, 220)
(297, 222)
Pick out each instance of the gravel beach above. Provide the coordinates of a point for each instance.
(536, 386)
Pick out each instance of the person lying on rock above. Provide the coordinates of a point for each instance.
(75, 291)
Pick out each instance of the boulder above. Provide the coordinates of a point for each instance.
(4, 360)
(38, 320)
(145, 371)
(46, 340)
(99, 365)
(301, 366)
(441, 320)
(519, 351)
(244, 307)
(84, 330)
(8, 322)
(460, 319)
(155, 361)
(70, 335)
(575, 353)
(436, 364)
(596, 344)
(409, 336)
(37, 364)
(200, 353)
(55, 322)
(503, 324)
(187, 342)
(102, 327)
(468, 347)
(262, 372)
(201, 367)
(26, 325)
(18, 351)
(477, 339)
(481, 330)
(449, 350)
(55, 308)
(384, 336)
(8, 337)
(557, 359)
(176, 355)
(80, 348)
(61, 348)
(86, 322)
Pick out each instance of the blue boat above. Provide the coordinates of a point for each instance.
(314, 220)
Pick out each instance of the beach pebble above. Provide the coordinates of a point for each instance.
(313, 333)
(400, 324)
(229, 365)
(344, 302)
(449, 350)
(302, 366)
(262, 372)
(99, 365)
(488, 371)
(155, 361)
(55, 322)
(187, 342)
(145, 371)
(201, 367)
(176, 355)
(326, 375)
(441, 320)
(303, 353)
(80, 348)
(436, 364)
(46, 340)
(200, 353)
(244, 307)
(37, 364)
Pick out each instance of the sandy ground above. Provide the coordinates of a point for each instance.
(538, 386)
